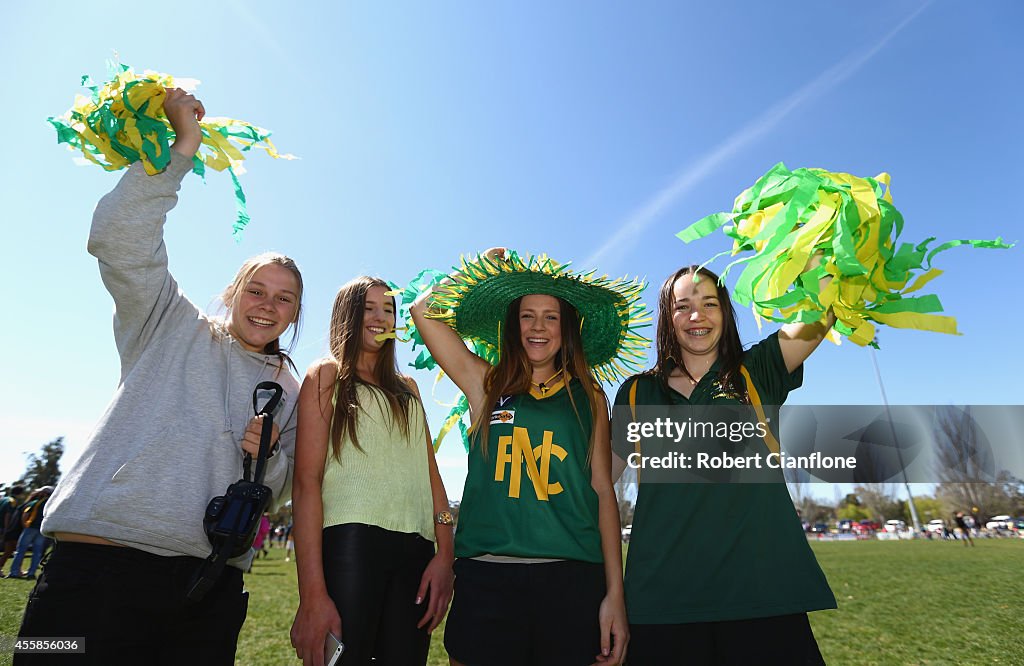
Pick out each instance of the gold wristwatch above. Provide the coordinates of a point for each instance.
(444, 518)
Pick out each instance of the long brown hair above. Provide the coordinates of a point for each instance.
(513, 373)
(345, 344)
(730, 349)
(229, 297)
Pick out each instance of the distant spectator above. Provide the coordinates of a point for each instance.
(260, 544)
(289, 546)
(961, 522)
(10, 526)
(31, 519)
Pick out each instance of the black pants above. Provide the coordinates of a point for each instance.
(130, 607)
(784, 639)
(372, 575)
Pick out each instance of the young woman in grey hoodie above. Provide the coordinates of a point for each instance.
(128, 516)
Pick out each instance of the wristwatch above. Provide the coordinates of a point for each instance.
(444, 518)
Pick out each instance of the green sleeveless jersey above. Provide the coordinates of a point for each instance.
(530, 494)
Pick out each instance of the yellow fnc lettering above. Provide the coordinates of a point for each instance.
(538, 462)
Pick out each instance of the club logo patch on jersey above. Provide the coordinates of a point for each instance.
(515, 452)
(719, 391)
(500, 416)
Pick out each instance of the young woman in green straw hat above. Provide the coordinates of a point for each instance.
(538, 568)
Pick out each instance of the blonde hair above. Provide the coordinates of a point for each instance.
(233, 292)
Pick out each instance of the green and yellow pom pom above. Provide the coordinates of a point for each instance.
(123, 122)
(788, 217)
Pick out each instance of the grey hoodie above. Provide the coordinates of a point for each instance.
(170, 440)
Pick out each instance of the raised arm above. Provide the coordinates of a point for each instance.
(127, 238)
(317, 613)
(798, 341)
(464, 367)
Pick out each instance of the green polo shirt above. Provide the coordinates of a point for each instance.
(706, 552)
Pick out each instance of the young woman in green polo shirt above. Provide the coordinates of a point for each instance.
(368, 501)
(718, 573)
(538, 574)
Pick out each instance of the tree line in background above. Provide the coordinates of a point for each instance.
(879, 502)
(43, 468)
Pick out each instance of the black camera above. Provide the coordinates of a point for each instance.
(232, 519)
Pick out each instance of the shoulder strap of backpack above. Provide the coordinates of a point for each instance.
(755, 400)
(632, 410)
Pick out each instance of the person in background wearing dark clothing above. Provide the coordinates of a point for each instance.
(961, 522)
(31, 516)
(10, 526)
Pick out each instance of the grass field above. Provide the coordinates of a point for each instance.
(906, 602)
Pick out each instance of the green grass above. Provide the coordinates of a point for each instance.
(923, 602)
(906, 602)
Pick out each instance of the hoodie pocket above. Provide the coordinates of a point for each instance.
(163, 491)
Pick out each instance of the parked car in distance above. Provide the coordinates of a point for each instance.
(866, 527)
(936, 526)
(1000, 523)
(627, 532)
(819, 528)
(895, 526)
(845, 525)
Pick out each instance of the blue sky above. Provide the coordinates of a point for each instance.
(591, 131)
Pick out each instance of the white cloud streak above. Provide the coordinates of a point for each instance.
(644, 215)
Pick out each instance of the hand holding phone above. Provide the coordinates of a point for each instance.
(333, 649)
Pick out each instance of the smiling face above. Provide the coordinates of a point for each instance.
(697, 318)
(540, 330)
(264, 307)
(378, 318)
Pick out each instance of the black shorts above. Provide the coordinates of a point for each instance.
(515, 614)
(130, 607)
(783, 639)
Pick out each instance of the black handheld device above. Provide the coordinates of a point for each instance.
(232, 519)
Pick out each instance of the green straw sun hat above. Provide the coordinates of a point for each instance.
(477, 296)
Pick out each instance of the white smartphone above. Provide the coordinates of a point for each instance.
(333, 648)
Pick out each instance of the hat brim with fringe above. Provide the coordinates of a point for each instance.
(475, 302)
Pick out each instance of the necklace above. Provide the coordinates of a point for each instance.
(545, 385)
(690, 377)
